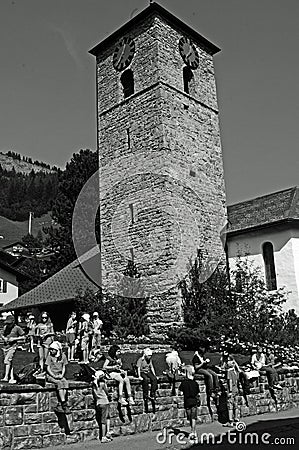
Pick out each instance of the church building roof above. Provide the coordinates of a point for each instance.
(276, 208)
(64, 285)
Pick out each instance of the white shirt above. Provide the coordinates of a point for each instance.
(256, 362)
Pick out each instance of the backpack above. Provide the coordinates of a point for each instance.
(26, 374)
(86, 373)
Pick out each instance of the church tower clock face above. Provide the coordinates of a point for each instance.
(189, 53)
(123, 53)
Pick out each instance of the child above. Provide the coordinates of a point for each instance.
(12, 334)
(113, 364)
(200, 364)
(174, 364)
(147, 374)
(97, 327)
(56, 362)
(190, 390)
(232, 377)
(45, 337)
(258, 359)
(101, 399)
(85, 331)
(71, 335)
(31, 331)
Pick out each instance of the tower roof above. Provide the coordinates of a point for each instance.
(158, 10)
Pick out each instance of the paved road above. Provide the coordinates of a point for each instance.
(262, 430)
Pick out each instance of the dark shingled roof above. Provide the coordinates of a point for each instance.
(64, 285)
(154, 8)
(276, 208)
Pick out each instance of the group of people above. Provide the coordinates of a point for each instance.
(85, 335)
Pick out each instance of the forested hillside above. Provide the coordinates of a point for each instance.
(21, 193)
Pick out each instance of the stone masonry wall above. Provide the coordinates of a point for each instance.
(28, 420)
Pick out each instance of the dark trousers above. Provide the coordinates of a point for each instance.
(272, 375)
(211, 379)
(147, 378)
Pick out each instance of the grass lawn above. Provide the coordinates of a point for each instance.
(23, 358)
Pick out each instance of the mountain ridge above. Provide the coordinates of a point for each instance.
(22, 164)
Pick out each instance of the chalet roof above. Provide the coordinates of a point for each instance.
(10, 232)
(154, 8)
(276, 208)
(4, 264)
(62, 286)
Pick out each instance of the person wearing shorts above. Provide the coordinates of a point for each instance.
(12, 334)
(101, 399)
(55, 365)
(190, 390)
(113, 364)
(31, 326)
(97, 331)
(85, 332)
(70, 335)
(45, 337)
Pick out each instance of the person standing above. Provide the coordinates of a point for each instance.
(31, 331)
(12, 334)
(70, 334)
(85, 331)
(232, 378)
(102, 404)
(97, 331)
(190, 390)
(45, 337)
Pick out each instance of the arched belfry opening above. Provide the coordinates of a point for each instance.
(188, 80)
(127, 81)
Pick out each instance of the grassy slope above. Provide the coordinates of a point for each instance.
(14, 231)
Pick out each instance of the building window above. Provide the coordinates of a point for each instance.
(127, 81)
(270, 273)
(128, 138)
(188, 79)
(3, 287)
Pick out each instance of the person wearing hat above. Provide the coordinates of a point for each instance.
(12, 334)
(97, 331)
(70, 335)
(101, 399)
(146, 373)
(55, 370)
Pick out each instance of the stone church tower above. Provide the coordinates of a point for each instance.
(162, 193)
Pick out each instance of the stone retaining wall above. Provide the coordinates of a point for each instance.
(28, 420)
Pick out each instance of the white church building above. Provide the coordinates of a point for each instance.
(266, 230)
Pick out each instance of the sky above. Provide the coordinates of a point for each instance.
(47, 88)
